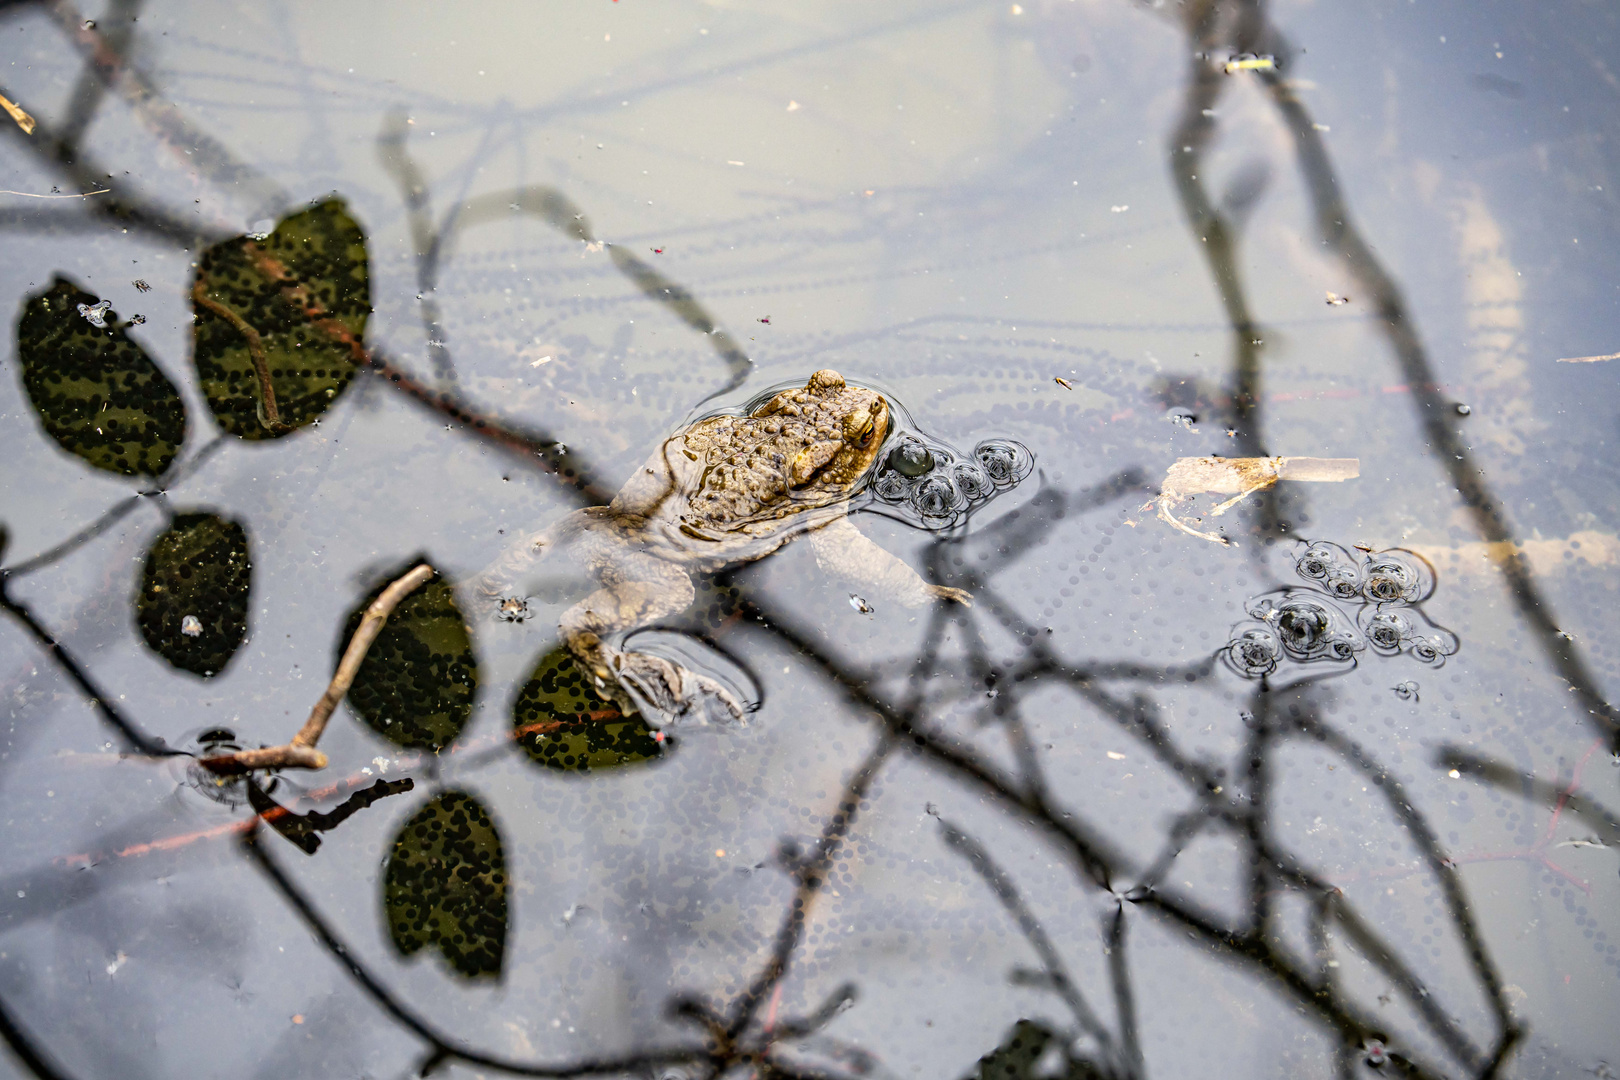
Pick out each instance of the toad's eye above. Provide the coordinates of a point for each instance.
(865, 439)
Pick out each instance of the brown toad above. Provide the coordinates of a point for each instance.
(723, 491)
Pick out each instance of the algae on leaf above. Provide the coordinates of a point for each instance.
(417, 683)
(192, 607)
(561, 725)
(96, 392)
(445, 886)
(280, 321)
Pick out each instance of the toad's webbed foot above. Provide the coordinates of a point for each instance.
(661, 690)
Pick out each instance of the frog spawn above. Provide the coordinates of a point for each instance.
(1346, 607)
(932, 486)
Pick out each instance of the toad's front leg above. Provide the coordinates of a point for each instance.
(657, 688)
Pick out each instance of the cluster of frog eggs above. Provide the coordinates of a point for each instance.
(938, 486)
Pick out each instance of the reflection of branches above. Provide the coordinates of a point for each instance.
(1440, 421)
(1054, 973)
(116, 513)
(444, 1048)
(1560, 797)
(132, 733)
(1239, 804)
(23, 1046)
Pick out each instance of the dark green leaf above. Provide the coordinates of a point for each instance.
(417, 684)
(97, 392)
(1019, 1053)
(446, 886)
(560, 724)
(296, 302)
(192, 607)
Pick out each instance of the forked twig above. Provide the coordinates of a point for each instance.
(301, 752)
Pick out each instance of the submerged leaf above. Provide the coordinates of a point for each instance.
(561, 725)
(445, 886)
(192, 607)
(290, 308)
(417, 683)
(96, 392)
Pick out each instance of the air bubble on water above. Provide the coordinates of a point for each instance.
(911, 459)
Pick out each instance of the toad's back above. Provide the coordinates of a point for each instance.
(741, 479)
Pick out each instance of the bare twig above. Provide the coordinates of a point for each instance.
(301, 752)
(54, 195)
(24, 121)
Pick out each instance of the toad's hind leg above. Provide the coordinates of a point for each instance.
(633, 596)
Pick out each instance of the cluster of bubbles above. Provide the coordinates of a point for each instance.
(1312, 624)
(932, 483)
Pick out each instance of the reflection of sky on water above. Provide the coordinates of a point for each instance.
(962, 202)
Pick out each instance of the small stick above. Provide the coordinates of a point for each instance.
(255, 344)
(56, 195)
(301, 752)
(24, 121)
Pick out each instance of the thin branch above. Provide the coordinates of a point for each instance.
(300, 753)
(1001, 884)
(99, 700)
(255, 346)
(30, 1055)
(444, 1048)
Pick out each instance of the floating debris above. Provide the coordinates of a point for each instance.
(1250, 62)
(860, 604)
(766, 320)
(96, 313)
(24, 121)
(542, 360)
(1464, 410)
(794, 106)
(137, 320)
(1346, 608)
(141, 285)
(656, 251)
(1061, 381)
(514, 609)
(55, 194)
(1588, 359)
(1335, 300)
(1184, 420)
(1241, 477)
(1118, 209)
(191, 626)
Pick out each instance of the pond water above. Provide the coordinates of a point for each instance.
(1278, 739)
